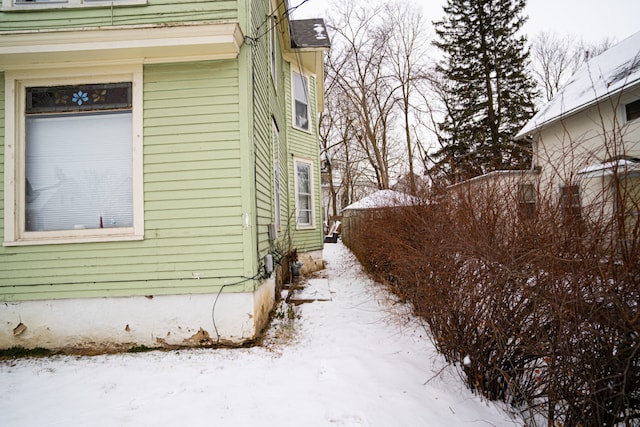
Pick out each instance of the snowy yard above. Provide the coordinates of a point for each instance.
(356, 360)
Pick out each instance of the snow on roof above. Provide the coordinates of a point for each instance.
(383, 199)
(603, 76)
(606, 168)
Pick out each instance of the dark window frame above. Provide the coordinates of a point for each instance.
(632, 110)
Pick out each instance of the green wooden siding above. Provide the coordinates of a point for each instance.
(262, 122)
(271, 103)
(154, 12)
(2, 128)
(192, 188)
(279, 107)
(208, 162)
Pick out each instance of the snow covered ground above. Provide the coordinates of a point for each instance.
(357, 360)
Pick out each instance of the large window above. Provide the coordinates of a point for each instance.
(304, 193)
(77, 161)
(300, 101)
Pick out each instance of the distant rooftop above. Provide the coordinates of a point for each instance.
(309, 33)
(603, 76)
(384, 199)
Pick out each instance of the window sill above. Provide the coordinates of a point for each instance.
(303, 130)
(305, 227)
(21, 7)
(54, 238)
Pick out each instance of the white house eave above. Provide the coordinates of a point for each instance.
(537, 124)
(517, 173)
(531, 129)
(147, 44)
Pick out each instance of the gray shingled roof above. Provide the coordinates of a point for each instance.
(309, 33)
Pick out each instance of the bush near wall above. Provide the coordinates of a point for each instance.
(539, 309)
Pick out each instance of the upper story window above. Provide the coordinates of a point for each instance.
(47, 4)
(75, 170)
(301, 117)
(632, 110)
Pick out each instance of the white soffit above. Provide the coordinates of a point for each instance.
(148, 44)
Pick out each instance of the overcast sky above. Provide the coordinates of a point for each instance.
(589, 20)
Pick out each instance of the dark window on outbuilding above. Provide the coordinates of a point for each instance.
(570, 202)
(633, 110)
(527, 200)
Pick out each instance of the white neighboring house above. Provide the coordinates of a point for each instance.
(586, 140)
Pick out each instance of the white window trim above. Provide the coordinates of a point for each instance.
(14, 154)
(8, 5)
(308, 162)
(293, 101)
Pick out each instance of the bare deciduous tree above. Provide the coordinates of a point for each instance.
(362, 79)
(376, 65)
(406, 49)
(555, 58)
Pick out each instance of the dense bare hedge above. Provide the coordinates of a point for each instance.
(539, 310)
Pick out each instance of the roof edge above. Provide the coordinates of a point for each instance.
(566, 114)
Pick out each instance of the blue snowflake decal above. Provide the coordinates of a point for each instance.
(80, 97)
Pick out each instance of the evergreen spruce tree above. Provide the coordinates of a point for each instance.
(489, 93)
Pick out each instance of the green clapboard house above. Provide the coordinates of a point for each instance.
(158, 158)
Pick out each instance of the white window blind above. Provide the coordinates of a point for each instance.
(78, 171)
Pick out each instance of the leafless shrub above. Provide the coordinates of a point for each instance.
(537, 304)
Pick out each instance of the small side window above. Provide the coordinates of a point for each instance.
(632, 110)
(304, 193)
(527, 200)
(570, 202)
(300, 86)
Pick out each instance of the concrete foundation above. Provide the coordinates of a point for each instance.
(114, 324)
